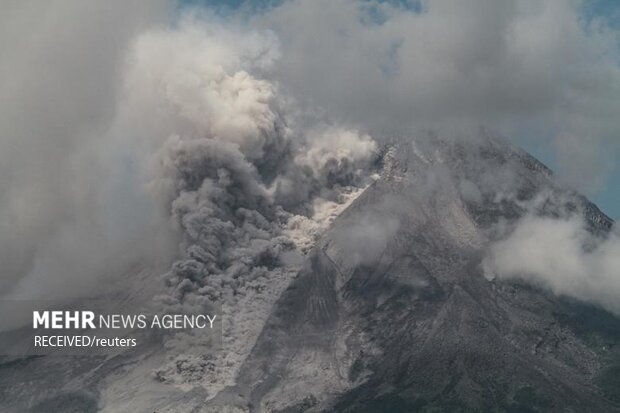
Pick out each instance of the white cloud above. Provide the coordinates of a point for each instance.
(561, 255)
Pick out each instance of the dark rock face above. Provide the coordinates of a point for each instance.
(392, 312)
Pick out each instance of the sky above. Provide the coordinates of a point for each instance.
(608, 197)
(536, 139)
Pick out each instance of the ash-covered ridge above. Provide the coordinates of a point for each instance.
(393, 310)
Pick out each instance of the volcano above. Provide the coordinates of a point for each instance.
(393, 310)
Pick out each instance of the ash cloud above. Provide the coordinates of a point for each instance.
(144, 128)
(238, 166)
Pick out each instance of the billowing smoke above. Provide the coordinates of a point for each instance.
(136, 129)
(237, 168)
(179, 138)
(244, 176)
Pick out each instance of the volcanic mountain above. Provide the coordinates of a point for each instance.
(393, 311)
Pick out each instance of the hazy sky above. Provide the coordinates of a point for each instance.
(581, 147)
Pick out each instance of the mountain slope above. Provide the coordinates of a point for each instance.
(393, 312)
